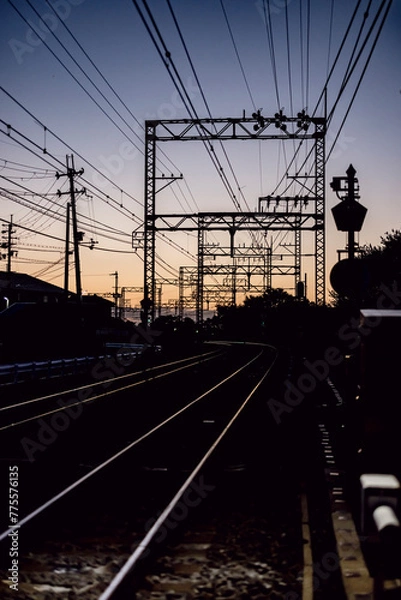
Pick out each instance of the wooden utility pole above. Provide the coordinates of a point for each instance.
(77, 236)
(67, 249)
(8, 244)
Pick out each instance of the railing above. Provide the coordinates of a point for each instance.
(11, 374)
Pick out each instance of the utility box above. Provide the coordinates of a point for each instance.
(378, 491)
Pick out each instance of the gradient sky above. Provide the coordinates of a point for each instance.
(234, 78)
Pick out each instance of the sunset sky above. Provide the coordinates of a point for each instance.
(81, 77)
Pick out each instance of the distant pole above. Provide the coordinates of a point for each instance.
(159, 294)
(116, 295)
(9, 244)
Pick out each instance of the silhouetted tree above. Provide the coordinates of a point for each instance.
(377, 266)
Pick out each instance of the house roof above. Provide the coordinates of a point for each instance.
(24, 282)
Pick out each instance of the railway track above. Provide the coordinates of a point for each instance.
(175, 482)
(99, 507)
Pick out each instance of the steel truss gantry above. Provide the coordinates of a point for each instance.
(279, 127)
(237, 278)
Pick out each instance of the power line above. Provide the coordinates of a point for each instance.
(337, 57)
(45, 151)
(358, 37)
(237, 54)
(270, 43)
(308, 25)
(111, 88)
(350, 69)
(360, 78)
(28, 168)
(75, 78)
(178, 84)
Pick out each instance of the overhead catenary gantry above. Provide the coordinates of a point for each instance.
(302, 216)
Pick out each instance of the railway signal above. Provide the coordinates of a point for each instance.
(349, 214)
(347, 276)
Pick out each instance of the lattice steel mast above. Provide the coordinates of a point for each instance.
(279, 127)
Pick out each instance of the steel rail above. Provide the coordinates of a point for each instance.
(105, 394)
(102, 382)
(123, 451)
(148, 538)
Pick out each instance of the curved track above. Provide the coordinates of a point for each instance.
(135, 451)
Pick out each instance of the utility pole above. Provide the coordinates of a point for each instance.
(116, 294)
(8, 244)
(77, 236)
(67, 249)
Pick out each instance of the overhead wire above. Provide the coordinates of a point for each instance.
(177, 81)
(82, 71)
(289, 70)
(103, 196)
(337, 58)
(347, 76)
(330, 37)
(110, 87)
(356, 43)
(360, 79)
(351, 68)
(45, 150)
(270, 43)
(28, 168)
(308, 27)
(301, 54)
(55, 214)
(180, 34)
(237, 54)
(180, 87)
